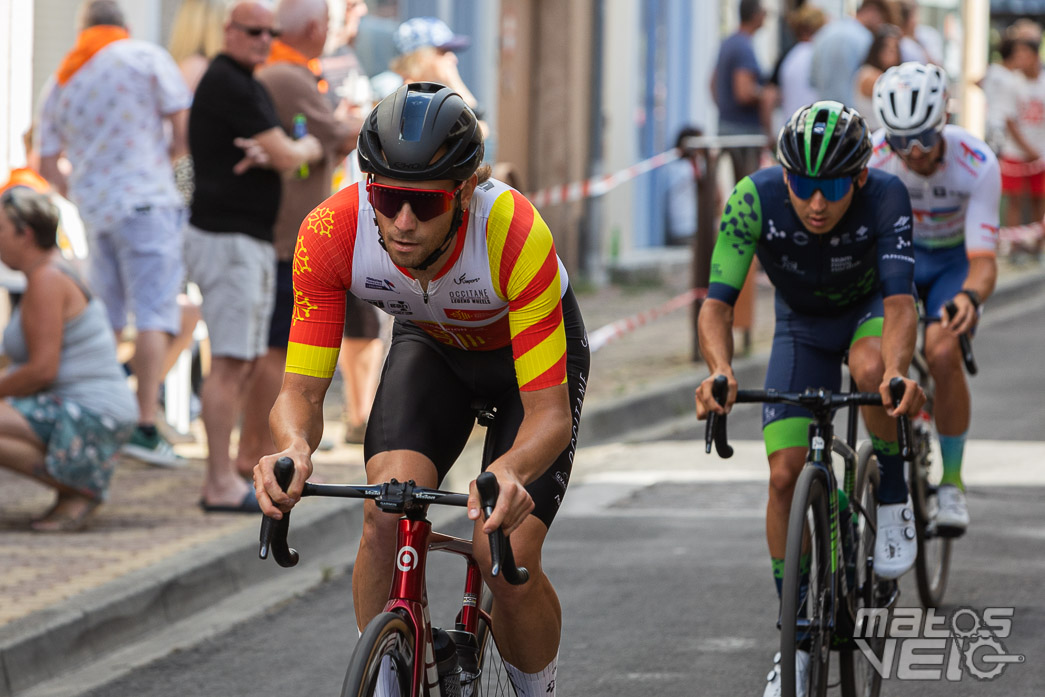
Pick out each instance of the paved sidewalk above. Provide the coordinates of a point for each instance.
(152, 557)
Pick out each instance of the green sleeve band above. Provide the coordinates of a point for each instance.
(738, 236)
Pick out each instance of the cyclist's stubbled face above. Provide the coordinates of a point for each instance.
(408, 240)
(923, 162)
(818, 215)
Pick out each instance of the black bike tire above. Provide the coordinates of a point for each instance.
(810, 495)
(933, 563)
(493, 677)
(386, 636)
(859, 679)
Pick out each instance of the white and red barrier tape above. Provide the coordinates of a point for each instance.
(1025, 235)
(597, 186)
(607, 333)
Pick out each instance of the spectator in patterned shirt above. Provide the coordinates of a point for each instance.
(106, 110)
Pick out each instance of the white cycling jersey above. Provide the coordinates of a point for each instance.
(959, 202)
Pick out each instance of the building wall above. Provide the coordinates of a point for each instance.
(16, 51)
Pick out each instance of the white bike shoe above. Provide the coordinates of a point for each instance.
(773, 688)
(896, 545)
(953, 515)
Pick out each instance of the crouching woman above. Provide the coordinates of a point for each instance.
(66, 407)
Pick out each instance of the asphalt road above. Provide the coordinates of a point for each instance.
(663, 576)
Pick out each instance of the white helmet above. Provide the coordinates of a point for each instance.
(911, 98)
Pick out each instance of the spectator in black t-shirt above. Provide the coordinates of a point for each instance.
(228, 250)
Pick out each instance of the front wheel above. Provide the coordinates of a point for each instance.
(383, 661)
(807, 602)
(859, 678)
(493, 680)
(934, 552)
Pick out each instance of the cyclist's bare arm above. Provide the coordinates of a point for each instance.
(296, 422)
(715, 328)
(983, 274)
(545, 431)
(899, 333)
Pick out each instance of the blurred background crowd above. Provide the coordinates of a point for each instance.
(196, 118)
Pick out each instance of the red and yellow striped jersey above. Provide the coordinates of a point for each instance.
(502, 285)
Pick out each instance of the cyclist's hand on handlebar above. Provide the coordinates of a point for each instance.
(513, 503)
(964, 318)
(271, 497)
(706, 401)
(913, 397)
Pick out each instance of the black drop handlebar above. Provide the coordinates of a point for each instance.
(392, 497)
(964, 341)
(822, 403)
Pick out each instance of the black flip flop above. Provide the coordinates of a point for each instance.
(249, 504)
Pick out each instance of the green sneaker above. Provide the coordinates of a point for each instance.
(154, 451)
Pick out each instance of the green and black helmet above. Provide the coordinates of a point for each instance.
(824, 140)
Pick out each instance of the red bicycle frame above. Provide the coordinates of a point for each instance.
(408, 596)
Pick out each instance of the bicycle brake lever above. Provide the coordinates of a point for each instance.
(274, 532)
(903, 424)
(501, 556)
(715, 431)
(964, 342)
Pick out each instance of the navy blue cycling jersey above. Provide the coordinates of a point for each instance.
(868, 252)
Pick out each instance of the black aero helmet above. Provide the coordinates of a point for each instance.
(403, 133)
(824, 140)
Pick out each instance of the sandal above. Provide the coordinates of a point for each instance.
(60, 521)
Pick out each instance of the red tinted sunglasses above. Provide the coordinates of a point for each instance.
(425, 203)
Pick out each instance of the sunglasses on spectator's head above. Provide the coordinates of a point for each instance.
(12, 206)
(926, 140)
(425, 203)
(804, 187)
(255, 32)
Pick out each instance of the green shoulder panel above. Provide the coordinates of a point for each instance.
(738, 235)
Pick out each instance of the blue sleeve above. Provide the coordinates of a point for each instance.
(893, 234)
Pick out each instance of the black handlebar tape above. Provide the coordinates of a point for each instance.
(903, 424)
(274, 532)
(964, 342)
(501, 556)
(715, 431)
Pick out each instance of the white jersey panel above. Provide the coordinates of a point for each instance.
(959, 202)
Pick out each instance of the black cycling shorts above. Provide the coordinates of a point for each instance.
(425, 402)
(361, 319)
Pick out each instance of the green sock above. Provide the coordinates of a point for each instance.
(778, 574)
(951, 448)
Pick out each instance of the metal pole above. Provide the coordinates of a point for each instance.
(704, 240)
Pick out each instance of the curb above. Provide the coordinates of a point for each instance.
(81, 630)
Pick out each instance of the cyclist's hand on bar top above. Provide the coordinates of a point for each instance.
(272, 499)
(706, 401)
(913, 397)
(513, 502)
(963, 318)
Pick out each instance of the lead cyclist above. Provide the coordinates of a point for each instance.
(955, 187)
